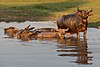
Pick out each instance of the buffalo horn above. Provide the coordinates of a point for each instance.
(78, 9)
(90, 10)
(67, 29)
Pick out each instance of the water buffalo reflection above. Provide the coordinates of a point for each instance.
(75, 48)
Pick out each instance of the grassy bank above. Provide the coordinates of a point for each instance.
(37, 10)
(44, 10)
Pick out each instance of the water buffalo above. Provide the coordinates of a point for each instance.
(25, 34)
(51, 33)
(10, 31)
(76, 22)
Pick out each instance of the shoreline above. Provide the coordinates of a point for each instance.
(90, 25)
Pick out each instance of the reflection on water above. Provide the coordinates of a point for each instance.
(49, 52)
(75, 48)
(72, 47)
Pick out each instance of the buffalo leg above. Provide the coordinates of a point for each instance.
(84, 34)
(78, 35)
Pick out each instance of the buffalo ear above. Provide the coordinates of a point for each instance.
(90, 13)
(91, 10)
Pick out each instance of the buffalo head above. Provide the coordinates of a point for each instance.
(84, 13)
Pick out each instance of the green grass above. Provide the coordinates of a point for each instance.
(43, 10)
(35, 11)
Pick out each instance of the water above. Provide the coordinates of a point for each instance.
(49, 52)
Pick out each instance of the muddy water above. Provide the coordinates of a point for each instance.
(49, 52)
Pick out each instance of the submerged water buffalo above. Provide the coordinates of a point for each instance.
(10, 31)
(76, 22)
(51, 33)
(25, 34)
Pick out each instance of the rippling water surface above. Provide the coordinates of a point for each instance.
(49, 52)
